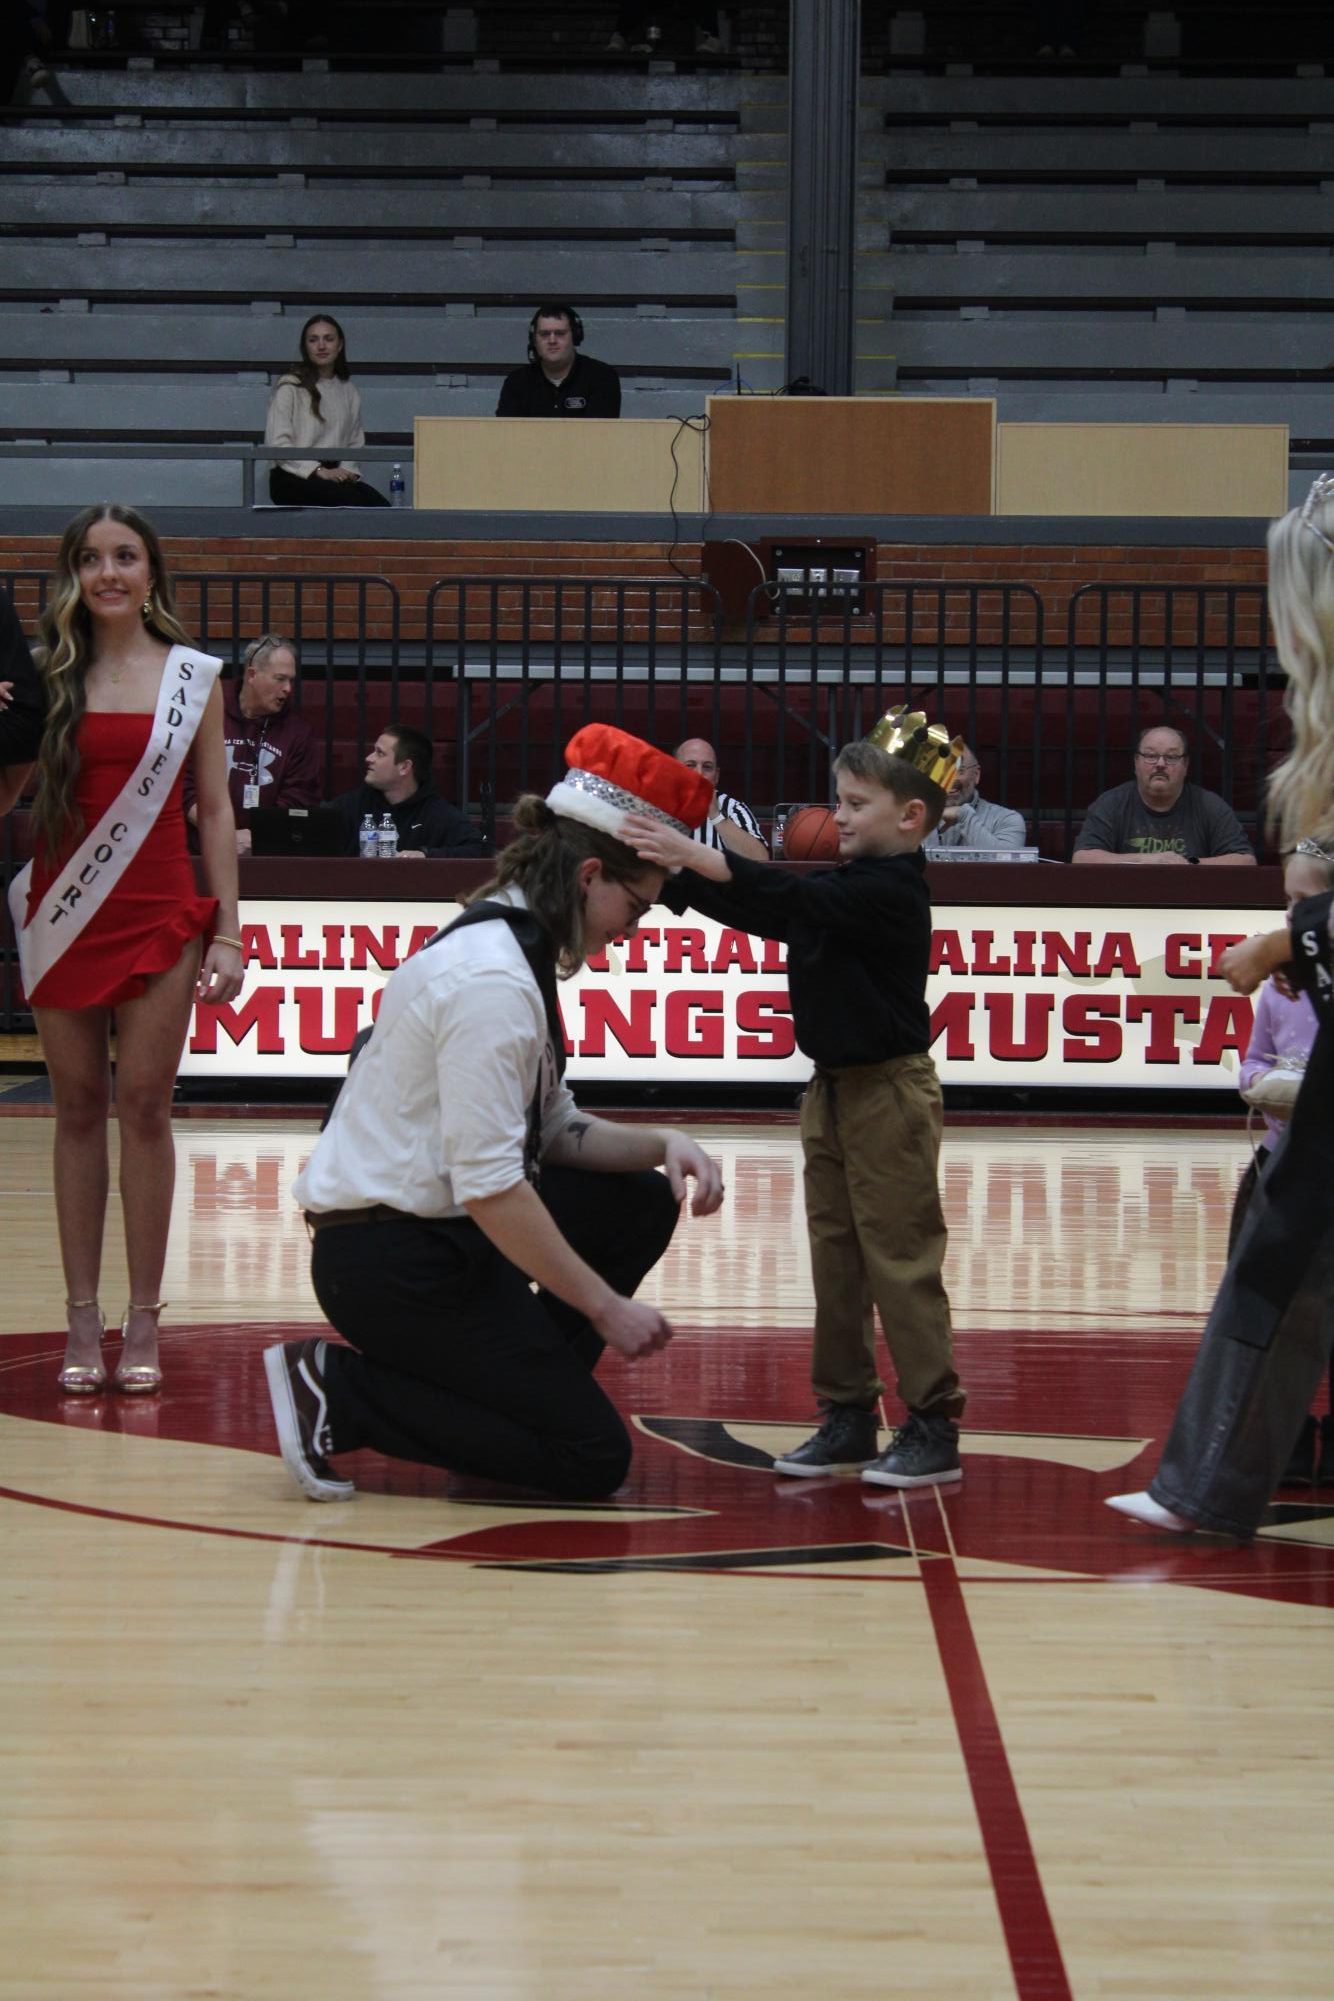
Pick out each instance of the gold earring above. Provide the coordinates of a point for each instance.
(148, 608)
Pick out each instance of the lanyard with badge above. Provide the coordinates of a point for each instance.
(250, 786)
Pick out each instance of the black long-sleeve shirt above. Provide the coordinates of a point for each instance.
(858, 943)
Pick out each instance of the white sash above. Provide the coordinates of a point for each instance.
(83, 885)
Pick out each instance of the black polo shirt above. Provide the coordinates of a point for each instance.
(591, 389)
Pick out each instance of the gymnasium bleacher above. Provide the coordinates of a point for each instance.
(1122, 246)
(169, 229)
(1115, 239)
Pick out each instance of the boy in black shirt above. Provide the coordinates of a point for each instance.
(858, 940)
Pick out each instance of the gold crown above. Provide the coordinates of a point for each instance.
(906, 733)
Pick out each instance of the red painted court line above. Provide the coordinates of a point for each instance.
(1030, 1936)
(217, 1528)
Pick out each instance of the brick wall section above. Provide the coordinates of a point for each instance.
(1054, 572)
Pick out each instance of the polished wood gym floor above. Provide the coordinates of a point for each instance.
(729, 1736)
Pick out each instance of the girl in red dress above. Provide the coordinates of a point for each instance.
(108, 633)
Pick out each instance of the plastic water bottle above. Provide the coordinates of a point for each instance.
(398, 492)
(776, 831)
(387, 839)
(368, 841)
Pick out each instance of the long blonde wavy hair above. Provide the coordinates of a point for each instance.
(1301, 605)
(65, 655)
(543, 861)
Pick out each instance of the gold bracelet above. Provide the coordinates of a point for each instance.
(218, 939)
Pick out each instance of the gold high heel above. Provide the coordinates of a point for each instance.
(83, 1379)
(137, 1379)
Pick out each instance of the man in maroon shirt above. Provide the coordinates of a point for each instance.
(273, 758)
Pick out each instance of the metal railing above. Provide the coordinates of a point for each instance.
(830, 662)
(500, 672)
(247, 458)
(348, 632)
(1052, 700)
(1197, 656)
(529, 660)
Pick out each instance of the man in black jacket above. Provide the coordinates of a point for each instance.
(558, 382)
(398, 782)
(22, 706)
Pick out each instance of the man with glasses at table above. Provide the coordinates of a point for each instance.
(1157, 817)
(969, 820)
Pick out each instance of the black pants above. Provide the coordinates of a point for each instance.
(1241, 1201)
(460, 1364)
(289, 490)
(1269, 1334)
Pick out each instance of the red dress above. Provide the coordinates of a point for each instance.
(153, 911)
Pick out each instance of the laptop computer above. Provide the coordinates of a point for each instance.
(296, 830)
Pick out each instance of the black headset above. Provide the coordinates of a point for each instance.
(554, 310)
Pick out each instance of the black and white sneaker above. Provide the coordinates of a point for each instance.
(845, 1442)
(295, 1370)
(924, 1452)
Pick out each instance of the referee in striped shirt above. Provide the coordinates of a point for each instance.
(730, 824)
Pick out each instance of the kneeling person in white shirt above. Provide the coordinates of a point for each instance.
(456, 1169)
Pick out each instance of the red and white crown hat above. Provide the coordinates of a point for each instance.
(612, 773)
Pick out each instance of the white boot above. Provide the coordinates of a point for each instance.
(1143, 1508)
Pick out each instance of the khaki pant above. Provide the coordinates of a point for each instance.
(870, 1134)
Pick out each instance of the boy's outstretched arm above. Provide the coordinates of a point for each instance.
(765, 897)
(708, 878)
(666, 848)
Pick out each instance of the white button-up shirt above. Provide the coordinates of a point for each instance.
(435, 1111)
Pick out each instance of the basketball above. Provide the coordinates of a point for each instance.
(810, 835)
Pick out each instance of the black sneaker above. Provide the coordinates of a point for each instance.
(1300, 1469)
(924, 1453)
(295, 1370)
(1324, 1472)
(844, 1443)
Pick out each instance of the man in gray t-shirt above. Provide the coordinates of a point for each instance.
(1158, 817)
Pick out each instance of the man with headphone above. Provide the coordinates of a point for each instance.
(558, 382)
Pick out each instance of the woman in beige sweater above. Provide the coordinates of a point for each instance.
(315, 408)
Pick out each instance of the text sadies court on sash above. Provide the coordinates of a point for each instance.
(84, 882)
